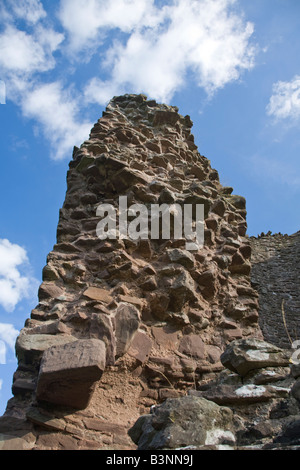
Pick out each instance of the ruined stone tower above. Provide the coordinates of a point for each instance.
(123, 324)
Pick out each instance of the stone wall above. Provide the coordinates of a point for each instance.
(275, 275)
(253, 404)
(123, 324)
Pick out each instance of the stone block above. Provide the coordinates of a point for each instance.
(243, 355)
(127, 321)
(140, 347)
(68, 373)
(101, 295)
(181, 422)
(192, 346)
(182, 257)
(29, 348)
(242, 395)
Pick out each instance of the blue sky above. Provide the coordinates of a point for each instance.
(232, 65)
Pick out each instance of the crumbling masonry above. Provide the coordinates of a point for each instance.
(121, 324)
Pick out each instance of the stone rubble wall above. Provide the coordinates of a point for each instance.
(122, 325)
(275, 275)
(253, 404)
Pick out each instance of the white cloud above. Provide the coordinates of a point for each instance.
(8, 336)
(1, 383)
(13, 285)
(56, 110)
(200, 40)
(28, 53)
(29, 10)
(101, 92)
(87, 21)
(24, 57)
(159, 51)
(285, 101)
(2, 352)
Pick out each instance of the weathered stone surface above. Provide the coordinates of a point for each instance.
(57, 441)
(207, 282)
(164, 313)
(243, 355)
(126, 178)
(29, 348)
(275, 274)
(219, 207)
(239, 265)
(265, 404)
(50, 327)
(100, 295)
(192, 346)
(100, 326)
(34, 415)
(296, 390)
(131, 300)
(242, 394)
(11, 443)
(16, 434)
(68, 373)
(290, 435)
(140, 347)
(159, 302)
(49, 290)
(166, 337)
(166, 197)
(181, 422)
(24, 383)
(165, 117)
(237, 201)
(182, 257)
(295, 370)
(269, 375)
(182, 290)
(127, 321)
